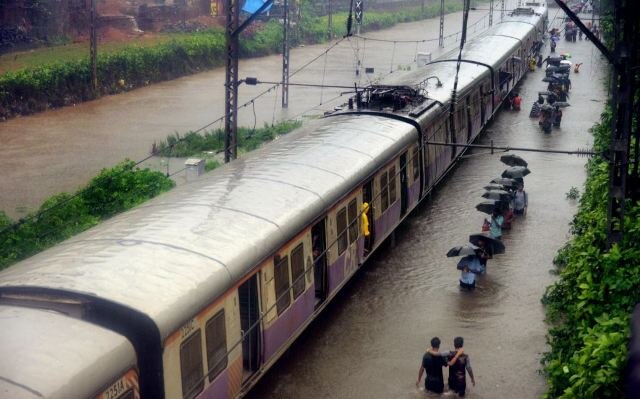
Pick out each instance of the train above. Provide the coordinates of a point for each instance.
(198, 292)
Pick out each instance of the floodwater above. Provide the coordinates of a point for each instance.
(60, 150)
(369, 342)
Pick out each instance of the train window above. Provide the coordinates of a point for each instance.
(191, 366)
(216, 338)
(384, 192)
(352, 213)
(415, 161)
(342, 230)
(392, 185)
(127, 395)
(297, 270)
(282, 282)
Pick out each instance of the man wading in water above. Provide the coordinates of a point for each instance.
(458, 366)
(433, 362)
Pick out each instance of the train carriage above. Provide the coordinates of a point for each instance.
(211, 282)
(49, 355)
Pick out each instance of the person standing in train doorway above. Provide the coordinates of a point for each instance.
(458, 367)
(432, 362)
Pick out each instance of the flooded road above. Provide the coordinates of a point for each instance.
(369, 342)
(61, 150)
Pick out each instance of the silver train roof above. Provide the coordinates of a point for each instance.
(488, 48)
(176, 252)
(48, 355)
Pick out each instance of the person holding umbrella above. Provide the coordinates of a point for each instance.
(520, 201)
(483, 253)
(495, 224)
(469, 266)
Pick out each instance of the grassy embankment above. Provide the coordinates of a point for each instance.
(589, 307)
(56, 77)
(115, 190)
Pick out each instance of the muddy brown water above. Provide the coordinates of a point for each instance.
(60, 150)
(369, 342)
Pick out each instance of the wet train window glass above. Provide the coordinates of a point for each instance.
(297, 270)
(392, 185)
(282, 282)
(341, 222)
(216, 338)
(352, 213)
(384, 192)
(127, 395)
(415, 161)
(191, 366)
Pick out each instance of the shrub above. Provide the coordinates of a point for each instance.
(589, 307)
(64, 215)
(66, 82)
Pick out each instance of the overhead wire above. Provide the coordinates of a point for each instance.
(40, 213)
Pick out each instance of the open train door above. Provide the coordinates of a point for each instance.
(367, 196)
(404, 185)
(249, 317)
(319, 247)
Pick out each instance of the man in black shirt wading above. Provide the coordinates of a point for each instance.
(432, 362)
(458, 367)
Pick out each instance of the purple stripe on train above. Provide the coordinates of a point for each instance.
(219, 388)
(388, 220)
(336, 273)
(343, 268)
(288, 322)
(413, 193)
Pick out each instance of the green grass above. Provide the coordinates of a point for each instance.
(190, 144)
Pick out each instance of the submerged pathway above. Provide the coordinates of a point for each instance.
(369, 342)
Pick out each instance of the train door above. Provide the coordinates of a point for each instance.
(367, 196)
(483, 108)
(249, 317)
(404, 187)
(469, 118)
(319, 246)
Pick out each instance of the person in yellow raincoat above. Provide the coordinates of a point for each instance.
(364, 220)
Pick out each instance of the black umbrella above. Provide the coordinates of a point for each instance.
(488, 206)
(497, 195)
(505, 182)
(465, 261)
(495, 246)
(513, 160)
(515, 172)
(462, 250)
(493, 187)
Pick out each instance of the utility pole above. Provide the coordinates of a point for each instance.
(232, 33)
(501, 10)
(93, 48)
(491, 13)
(285, 57)
(330, 20)
(624, 85)
(624, 82)
(232, 10)
(359, 14)
(441, 36)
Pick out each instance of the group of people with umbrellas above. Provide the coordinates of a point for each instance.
(505, 198)
(550, 102)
